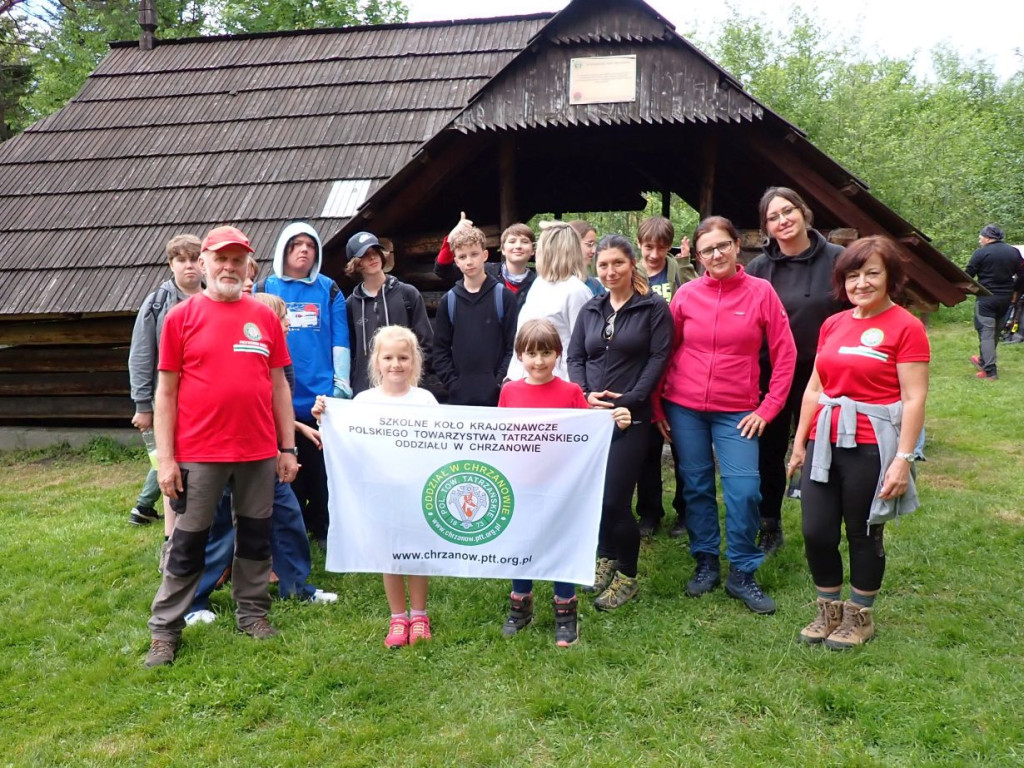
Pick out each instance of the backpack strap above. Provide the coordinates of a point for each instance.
(260, 287)
(450, 298)
(159, 299)
(499, 301)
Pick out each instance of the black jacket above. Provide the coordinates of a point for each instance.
(1000, 268)
(396, 303)
(632, 361)
(804, 284)
(472, 348)
(450, 273)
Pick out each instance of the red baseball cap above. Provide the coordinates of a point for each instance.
(220, 237)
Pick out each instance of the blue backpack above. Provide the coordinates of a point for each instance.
(499, 303)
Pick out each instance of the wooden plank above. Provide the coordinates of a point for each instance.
(51, 359)
(707, 182)
(59, 384)
(108, 330)
(63, 408)
(507, 171)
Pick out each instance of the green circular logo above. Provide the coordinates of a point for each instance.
(468, 502)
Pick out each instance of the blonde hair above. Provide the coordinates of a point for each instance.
(276, 303)
(254, 268)
(560, 253)
(394, 334)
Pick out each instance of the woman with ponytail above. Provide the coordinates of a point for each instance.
(619, 348)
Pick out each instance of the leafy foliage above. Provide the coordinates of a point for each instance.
(262, 16)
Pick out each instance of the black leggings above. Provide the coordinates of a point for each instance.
(774, 443)
(845, 498)
(310, 485)
(619, 537)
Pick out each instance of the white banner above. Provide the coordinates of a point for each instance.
(465, 491)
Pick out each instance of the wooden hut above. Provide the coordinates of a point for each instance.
(391, 128)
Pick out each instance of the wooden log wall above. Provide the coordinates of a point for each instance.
(68, 371)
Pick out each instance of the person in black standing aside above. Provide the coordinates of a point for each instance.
(999, 268)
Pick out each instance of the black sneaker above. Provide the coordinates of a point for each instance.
(142, 515)
(647, 527)
(520, 614)
(770, 538)
(742, 586)
(679, 529)
(567, 630)
(706, 577)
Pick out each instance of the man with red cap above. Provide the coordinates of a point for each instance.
(223, 417)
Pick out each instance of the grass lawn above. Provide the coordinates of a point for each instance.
(666, 680)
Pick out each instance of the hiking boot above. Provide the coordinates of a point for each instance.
(520, 613)
(742, 586)
(830, 616)
(647, 527)
(857, 627)
(602, 575)
(260, 629)
(619, 592)
(976, 362)
(161, 652)
(706, 577)
(566, 623)
(141, 515)
(419, 629)
(398, 632)
(770, 538)
(165, 552)
(679, 529)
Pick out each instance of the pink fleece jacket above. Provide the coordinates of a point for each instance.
(720, 326)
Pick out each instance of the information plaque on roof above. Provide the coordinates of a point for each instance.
(602, 79)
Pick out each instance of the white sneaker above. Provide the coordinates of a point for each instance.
(200, 617)
(323, 597)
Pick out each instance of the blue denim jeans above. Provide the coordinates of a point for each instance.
(694, 434)
(289, 548)
(563, 591)
(150, 493)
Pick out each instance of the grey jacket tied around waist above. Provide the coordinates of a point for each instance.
(885, 421)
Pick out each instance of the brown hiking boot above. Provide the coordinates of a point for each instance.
(856, 629)
(603, 575)
(260, 629)
(830, 616)
(161, 652)
(622, 589)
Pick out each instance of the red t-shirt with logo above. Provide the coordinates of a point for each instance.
(224, 352)
(857, 358)
(557, 393)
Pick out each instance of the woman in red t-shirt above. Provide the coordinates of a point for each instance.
(874, 358)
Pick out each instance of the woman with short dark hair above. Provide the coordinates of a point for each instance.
(862, 412)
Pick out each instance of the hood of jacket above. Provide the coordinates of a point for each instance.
(293, 229)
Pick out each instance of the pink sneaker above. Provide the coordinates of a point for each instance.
(398, 633)
(419, 629)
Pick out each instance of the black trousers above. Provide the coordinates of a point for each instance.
(310, 485)
(649, 486)
(619, 536)
(844, 500)
(774, 443)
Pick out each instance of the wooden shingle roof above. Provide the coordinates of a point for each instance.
(254, 130)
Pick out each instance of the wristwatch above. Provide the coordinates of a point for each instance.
(294, 451)
(910, 458)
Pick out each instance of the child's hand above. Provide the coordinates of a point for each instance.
(623, 418)
(309, 433)
(319, 407)
(684, 248)
(463, 222)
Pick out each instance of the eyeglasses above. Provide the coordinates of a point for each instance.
(784, 213)
(609, 327)
(725, 248)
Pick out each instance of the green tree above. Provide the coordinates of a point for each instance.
(15, 78)
(270, 16)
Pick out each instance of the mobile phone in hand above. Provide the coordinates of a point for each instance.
(179, 504)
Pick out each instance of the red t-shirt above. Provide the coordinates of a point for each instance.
(224, 352)
(557, 393)
(857, 358)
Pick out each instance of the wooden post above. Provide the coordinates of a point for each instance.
(147, 22)
(666, 203)
(507, 172)
(707, 182)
